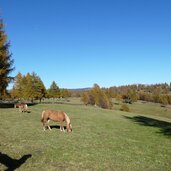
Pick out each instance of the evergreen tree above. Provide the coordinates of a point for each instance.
(28, 87)
(54, 91)
(5, 60)
(64, 93)
(39, 90)
(17, 89)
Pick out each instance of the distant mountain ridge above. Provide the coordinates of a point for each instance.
(80, 89)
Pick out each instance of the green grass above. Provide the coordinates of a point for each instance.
(101, 140)
(147, 108)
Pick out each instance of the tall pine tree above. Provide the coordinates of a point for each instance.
(39, 90)
(54, 91)
(6, 63)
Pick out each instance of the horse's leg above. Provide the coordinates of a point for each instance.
(26, 107)
(62, 127)
(44, 125)
(48, 124)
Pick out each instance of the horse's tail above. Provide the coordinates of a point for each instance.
(42, 116)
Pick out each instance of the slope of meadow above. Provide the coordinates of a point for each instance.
(101, 140)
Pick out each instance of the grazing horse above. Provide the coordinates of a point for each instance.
(58, 116)
(22, 107)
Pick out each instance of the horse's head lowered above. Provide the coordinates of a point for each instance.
(69, 127)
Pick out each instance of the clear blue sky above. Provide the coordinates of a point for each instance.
(77, 43)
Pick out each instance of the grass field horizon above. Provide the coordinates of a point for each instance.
(101, 139)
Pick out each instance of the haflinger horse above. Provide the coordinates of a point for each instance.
(58, 116)
(22, 107)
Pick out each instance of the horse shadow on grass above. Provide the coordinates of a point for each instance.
(11, 163)
(165, 127)
(56, 127)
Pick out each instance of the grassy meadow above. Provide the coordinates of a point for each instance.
(101, 139)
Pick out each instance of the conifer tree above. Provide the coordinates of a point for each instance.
(17, 89)
(28, 87)
(64, 93)
(39, 90)
(54, 90)
(5, 60)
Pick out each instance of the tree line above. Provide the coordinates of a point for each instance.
(157, 93)
(30, 87)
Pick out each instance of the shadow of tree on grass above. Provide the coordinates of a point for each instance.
(11, 163)
(165, 127)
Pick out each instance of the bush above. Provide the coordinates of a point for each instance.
(125, 108)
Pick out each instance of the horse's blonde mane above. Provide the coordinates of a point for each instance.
(43, 113)
(67, 118)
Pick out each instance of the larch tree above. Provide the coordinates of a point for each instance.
(16, 92)
(28, 87)
(96, 96)
(39, 90)
(85, 98)
(64, 93)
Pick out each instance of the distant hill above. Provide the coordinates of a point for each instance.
(80, 89)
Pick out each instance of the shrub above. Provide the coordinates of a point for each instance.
(125, 108)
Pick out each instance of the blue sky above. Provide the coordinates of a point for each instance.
(77, 43)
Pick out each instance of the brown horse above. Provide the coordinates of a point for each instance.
(58, 116)
(22, 107)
